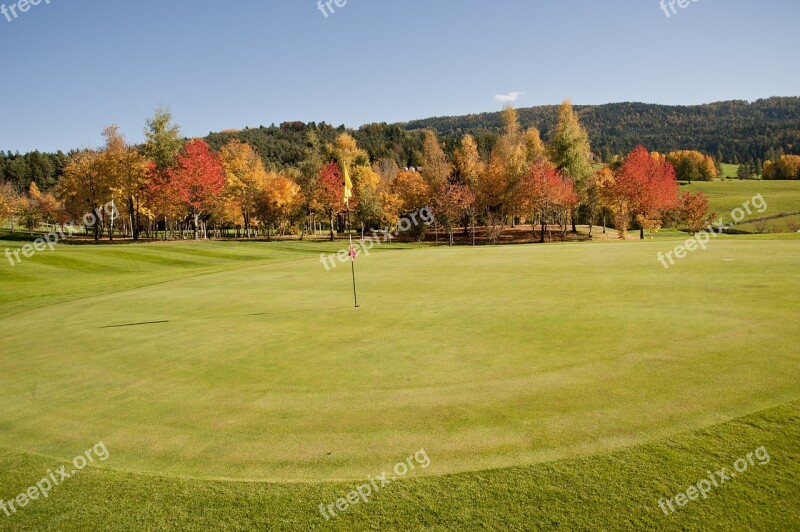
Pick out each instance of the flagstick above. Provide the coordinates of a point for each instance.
(352, 258)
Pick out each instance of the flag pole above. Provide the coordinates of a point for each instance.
(352, 255)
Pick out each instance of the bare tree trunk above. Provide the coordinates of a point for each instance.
(473, 230)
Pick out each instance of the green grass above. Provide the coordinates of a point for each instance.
(780, 196)
(550, 385)
(607, 491)
(729, 170)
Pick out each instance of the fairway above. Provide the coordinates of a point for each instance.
(781, 197)
(247, 361)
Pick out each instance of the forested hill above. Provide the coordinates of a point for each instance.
(739, 130)
(735, 131)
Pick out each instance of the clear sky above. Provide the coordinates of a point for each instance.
(71, 67)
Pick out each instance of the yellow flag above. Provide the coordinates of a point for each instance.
(348, 184)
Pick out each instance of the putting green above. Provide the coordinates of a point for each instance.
(485, 357)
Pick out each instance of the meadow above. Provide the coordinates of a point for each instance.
(234, 384)
(780, 196)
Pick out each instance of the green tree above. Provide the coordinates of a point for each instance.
(42, 170)
(308, 179)
(744, 171)
(687, 169)
(19, 173)
(163, 139)
(570, 150)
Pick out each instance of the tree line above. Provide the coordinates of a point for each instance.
(732, 132)
(170, 187)
(737, 132)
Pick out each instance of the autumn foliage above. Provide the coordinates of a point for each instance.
(693, 211)
(547, 194)
(643, 189)
(786, 167)
(198, 179)
(170, 187)
(692, 166)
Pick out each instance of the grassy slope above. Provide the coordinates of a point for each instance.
(781, 197)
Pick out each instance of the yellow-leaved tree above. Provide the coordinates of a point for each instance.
(436, 169)
(534, 147)
(469, 168)
(9, 201)
(245, 178)
(129, 175)
(280, 200)
(84, 187)
(367, 185)
(692, 165)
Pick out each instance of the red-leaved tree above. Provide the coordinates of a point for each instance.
(162, 197)
(198, 179)
(545, 194)
(330, 193)
(647, 186)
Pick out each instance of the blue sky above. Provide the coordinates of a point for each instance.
(71, 67)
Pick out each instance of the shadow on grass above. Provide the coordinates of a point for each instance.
(303, 311)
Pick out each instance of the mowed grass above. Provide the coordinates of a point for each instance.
(780, 197)
(246, 362)
(729, 171)
(606, 491)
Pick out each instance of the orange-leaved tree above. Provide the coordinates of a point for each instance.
(693, 211)
(644, 188)
(547, 195)
(450, 204)
(330, 192)
(282, 198)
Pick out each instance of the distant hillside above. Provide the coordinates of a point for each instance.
(737, 129)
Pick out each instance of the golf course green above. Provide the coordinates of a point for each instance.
(244, 367)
